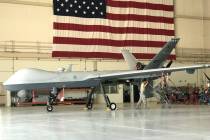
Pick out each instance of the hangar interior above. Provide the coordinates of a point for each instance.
(26, 42)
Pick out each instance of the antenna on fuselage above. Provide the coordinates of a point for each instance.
(70, 67)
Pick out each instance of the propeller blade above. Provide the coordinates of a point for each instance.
(169, 64)
(206, 76)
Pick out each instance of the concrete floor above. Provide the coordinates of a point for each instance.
(127, 123)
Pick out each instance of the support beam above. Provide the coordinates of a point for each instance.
(8, 99)
(26, 2)
(25, 55)
(192, 17)
(131, 94)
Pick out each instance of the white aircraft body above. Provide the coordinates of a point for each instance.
(30, 78)
(35, 78)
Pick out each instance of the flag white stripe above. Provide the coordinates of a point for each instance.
(165, 2)
(112, 36)
(112, 23)
(97, 48)
(137, 11)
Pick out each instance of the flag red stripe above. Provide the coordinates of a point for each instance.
(134, 17)
(141, 5)
(117, 30)
(107, 42)
(103, 55)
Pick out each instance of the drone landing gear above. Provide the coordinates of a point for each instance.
(89, 103)
(52, 99)
(49, 108)
(109, 104)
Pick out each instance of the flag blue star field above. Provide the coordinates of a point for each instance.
(102, 28)
(80, 8)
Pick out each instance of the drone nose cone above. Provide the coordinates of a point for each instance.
(6, 83)
(29, 76)
(9, 81)
(16, 78)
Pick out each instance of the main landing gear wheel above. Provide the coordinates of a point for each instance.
(49, 108)
(89, 106)
(113, 106)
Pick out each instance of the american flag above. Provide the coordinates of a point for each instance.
(102, 28)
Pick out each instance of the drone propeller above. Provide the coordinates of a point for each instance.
(169, 64)
(207, 76)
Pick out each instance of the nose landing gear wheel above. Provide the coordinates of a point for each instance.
(113, 106)
(49, 108)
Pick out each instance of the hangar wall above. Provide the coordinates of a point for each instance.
(25, 23)
(189, 23)
(192, 26)
(31, 21)
(207, 23)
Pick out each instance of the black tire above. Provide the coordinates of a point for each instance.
(49, 108)
(89, 106)
(113, 106)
